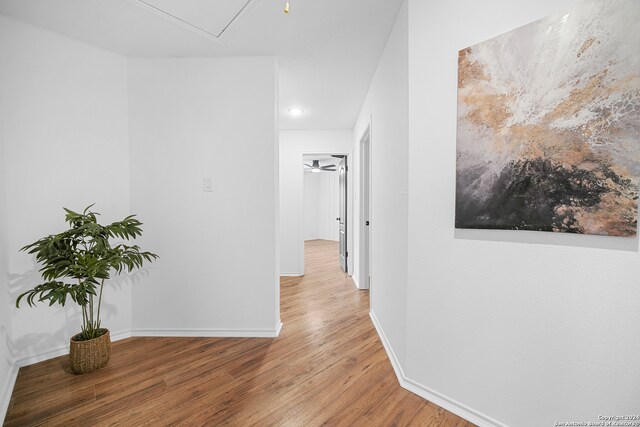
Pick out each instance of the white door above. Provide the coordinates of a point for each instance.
(365, 210)
(342, 177)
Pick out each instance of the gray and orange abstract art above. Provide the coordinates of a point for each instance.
(548, 134)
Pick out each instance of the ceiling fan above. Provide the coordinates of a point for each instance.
(315, 167)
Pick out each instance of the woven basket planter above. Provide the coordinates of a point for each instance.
(88, 356)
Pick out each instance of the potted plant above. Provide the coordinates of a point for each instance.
(75, 265)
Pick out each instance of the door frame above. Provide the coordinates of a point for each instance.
(349, 157)
(344, 161)
(365, 205)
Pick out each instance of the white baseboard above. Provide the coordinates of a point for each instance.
(395, 363)
(121, 335)
(35, 358)
(7, 390)
(450, 405)
(201, 332)
(61, 351)
(291, 274)
(278, 328)
(427, 393)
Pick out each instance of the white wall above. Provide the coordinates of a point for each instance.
(195, 118)
(523, 328)
(386, 108)
(321, 206)
(310, 214)
(64, 111)
(293, 145)
(7, 369)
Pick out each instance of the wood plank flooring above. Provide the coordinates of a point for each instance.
(328, 367)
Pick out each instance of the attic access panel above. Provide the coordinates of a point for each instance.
(210, 18)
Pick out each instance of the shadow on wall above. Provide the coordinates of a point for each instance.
(549, 238)
(40, 344)
(131, 279)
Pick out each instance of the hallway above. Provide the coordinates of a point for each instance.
(326, 367)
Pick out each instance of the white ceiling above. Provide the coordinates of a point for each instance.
(325, 159)
(211, 18)
(327, 50)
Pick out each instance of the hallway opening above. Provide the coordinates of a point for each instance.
(326, 204)
(328, 366)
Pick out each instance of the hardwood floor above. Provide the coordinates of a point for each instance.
(327, 367)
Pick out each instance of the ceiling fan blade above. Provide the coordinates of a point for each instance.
(328, 166)
(307, 165)
(328, 170)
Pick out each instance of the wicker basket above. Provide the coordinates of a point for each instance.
(88, 356)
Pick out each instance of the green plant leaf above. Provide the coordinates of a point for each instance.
(76, 262)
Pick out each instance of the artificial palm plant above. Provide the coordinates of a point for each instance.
(76, 263)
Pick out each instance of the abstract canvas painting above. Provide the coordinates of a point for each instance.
(549, 124)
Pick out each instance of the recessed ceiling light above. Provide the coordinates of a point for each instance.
(296, 111)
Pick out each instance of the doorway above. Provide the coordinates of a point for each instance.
(365, 210)
(342, 211)
(325, 202)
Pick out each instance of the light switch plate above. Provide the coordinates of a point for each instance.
(207, 184)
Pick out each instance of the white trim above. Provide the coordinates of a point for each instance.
(427, 393)
(350, 206)
(121, 335)
(291, 274)
(355, 281)
(35, 358)
(61, 351)
(278, 328)
(365, 232)
(451, 405)
(395, 363)
(209, 333)
(7, 391)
